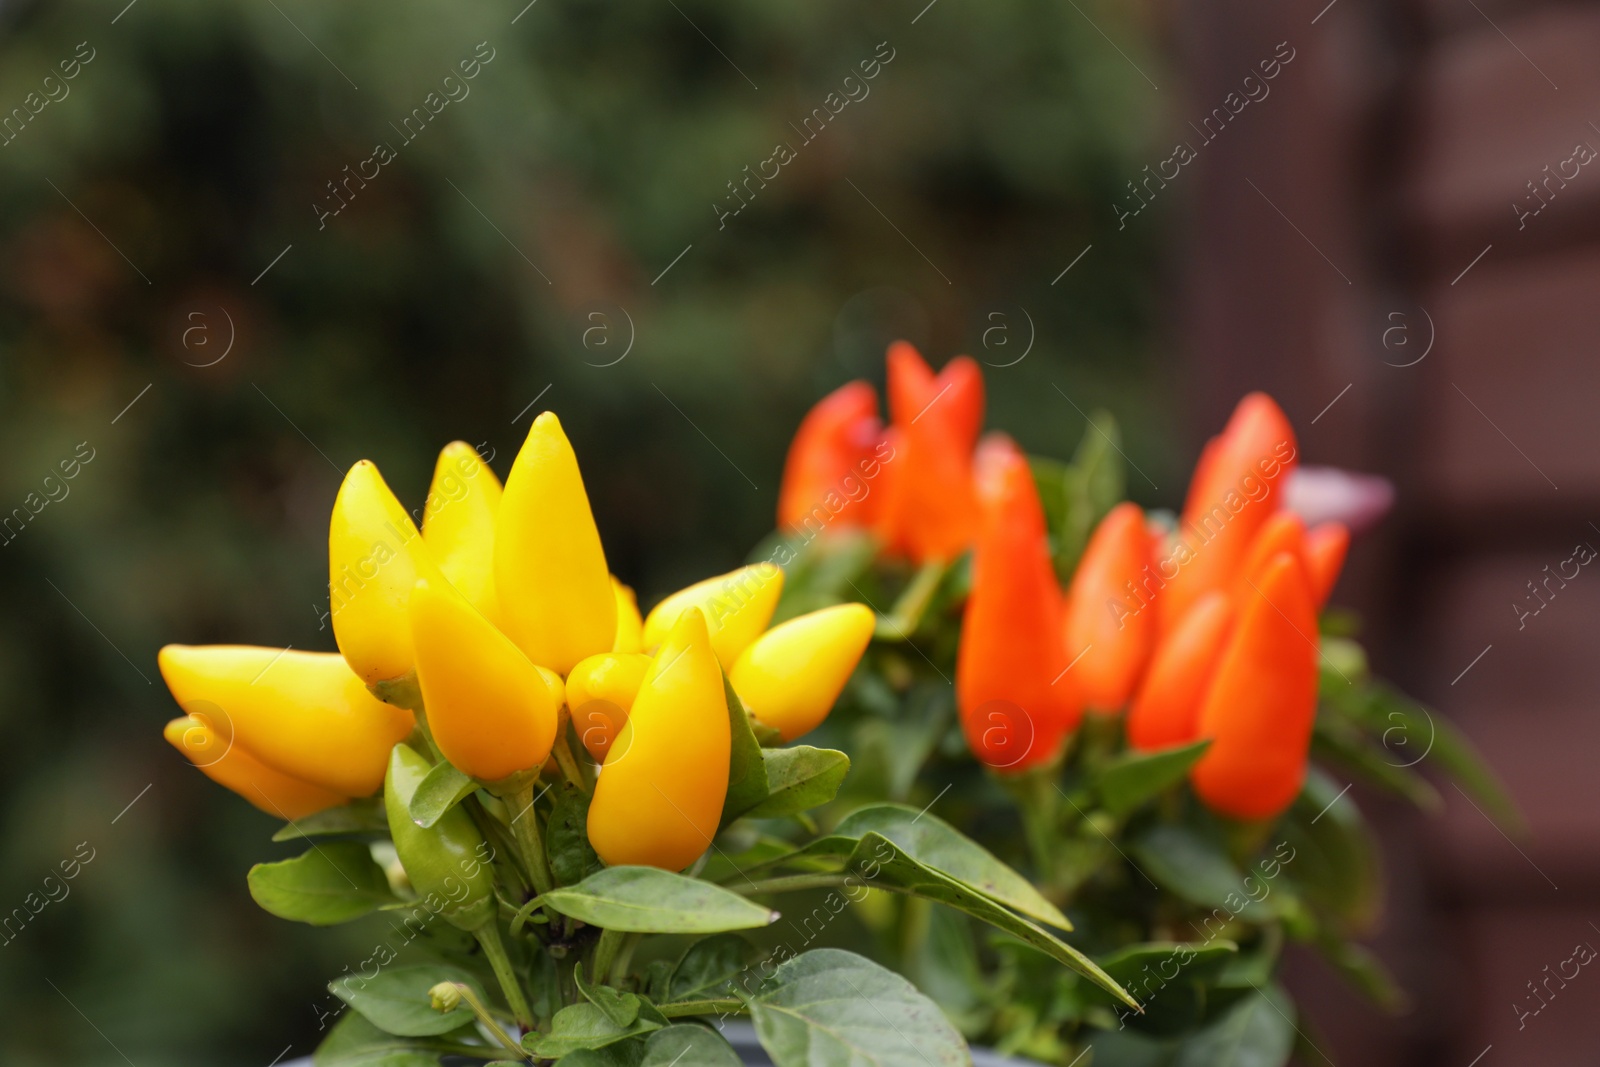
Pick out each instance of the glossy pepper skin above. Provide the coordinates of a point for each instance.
(556, 599)
(1283, 532)
(232, 767)
(600, 692)
(375, 556)
(737, 607)
(1326, 547)
(446, 863)
(659, 797)
(929, 510)
(458, 524)
(1236, 489)
(630, 627)
(1166, 709)
(835, 442)
(492, 712)
(1015, 699)
(1108, 625)
(304, 714)
(790, 676)
(1261, 702)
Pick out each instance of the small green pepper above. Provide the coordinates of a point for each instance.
(448, 863)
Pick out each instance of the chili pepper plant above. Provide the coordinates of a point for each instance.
(579, 823)
(1153, 715)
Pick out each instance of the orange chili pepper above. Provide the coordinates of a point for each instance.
(1230, 498)
(1110, 629)
(931, 513)
(1326, 546)
(1283, 532)
(1166, 710)
(1259, 708)
(835, 441)
(1016, 704)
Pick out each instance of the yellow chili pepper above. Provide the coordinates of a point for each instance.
(491, 711)
(659, 797)
(791, 675)
(304, 714)
(737, 606)
(458, 524)
(630, 627)
(556, 600)
(600, 692)
(229, 765)
(375, 556)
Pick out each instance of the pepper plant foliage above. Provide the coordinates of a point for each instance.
(1188, 910)
(552, 908)
(569, 953)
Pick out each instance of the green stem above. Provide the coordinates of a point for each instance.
(605, 952)
(1039, 801)
(488, 1020)
(489, 937)
(525, 825)
(567, 763)
(791, 883)
(906, 615)
(702, 1007)
(624, 958)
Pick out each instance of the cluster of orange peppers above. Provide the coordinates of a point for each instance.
(1203, 631)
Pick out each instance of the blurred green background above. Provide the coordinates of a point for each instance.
(162, 211)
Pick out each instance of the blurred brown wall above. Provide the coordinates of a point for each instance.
(1362, 210)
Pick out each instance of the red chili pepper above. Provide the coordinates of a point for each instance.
(1231, 496)
(1166, 710)
(1016, 704)
(1110, 619)
(1259, 708)
(828, 459)
(1283, 532)
(1326, 546)
(931, 513)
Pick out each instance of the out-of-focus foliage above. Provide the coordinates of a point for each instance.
(165, 204)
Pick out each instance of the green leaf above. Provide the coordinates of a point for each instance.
(1132, 779)
(799, 779)
(333, 883)
(747, 770)
(566, 839)
(1077, 496)
(621, 1008)
(361, 816)
(1335, 861)
(1364, 970)
(935, 843)
(1450, 750)
(888, 751)
(650, 900)
(1258, 1031)
(1338, 741)
(878, 857)
(585, 1026)
(442, 789)
(1169, 978)
(396, 1000)
(707, 967)
(686, 1045)
(627, 1053)
(828, 1006)
(1198, 870)
(355, 1042)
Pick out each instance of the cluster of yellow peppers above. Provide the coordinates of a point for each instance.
(500, 623)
